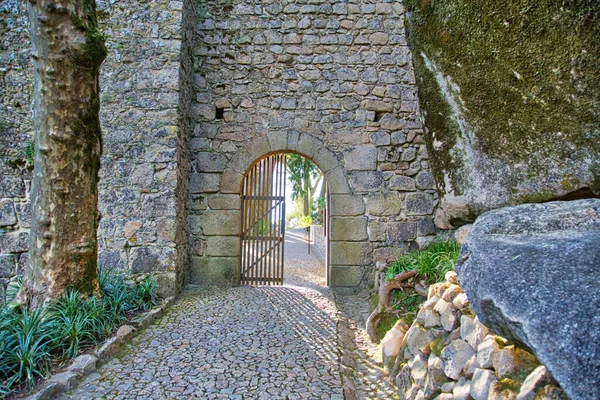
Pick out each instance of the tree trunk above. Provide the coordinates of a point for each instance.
(306, 178)
(68, 50)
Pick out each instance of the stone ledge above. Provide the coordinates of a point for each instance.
(85, 364)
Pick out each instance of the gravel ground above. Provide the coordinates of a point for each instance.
(287, 342)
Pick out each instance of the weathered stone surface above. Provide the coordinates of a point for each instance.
(8, 265)
(391, 342)
(366, 181)
(382, 204)
(455, 357)
(222, 246)
(348, 253)
(402, 183)
(418, 204)
(461, 233)
(361, 158)
(214, 270)
(480, 384)
(517, 252)
(220, 223)
(493, 157)
(349, 228)
(461, 390)
(510, 362)
(8, 216)
(346, 275)
(486, 351)
(83, 365)
(347, 205)
(538, 378)
(402, 231)
(151, 259)
(224, 202)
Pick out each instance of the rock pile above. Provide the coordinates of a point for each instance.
(448, 354)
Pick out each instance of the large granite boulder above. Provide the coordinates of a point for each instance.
(532, 274)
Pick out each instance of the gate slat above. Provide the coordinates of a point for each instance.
(263, 222)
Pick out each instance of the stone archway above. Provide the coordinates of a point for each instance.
(220, 222)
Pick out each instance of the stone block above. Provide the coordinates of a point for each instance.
(402, 183)
(345, 276)
(149, 259)
(166, 284)
(377, 231)
(83, 365)
(402, 231)
(363, 158)
(346, 205)
(390, 123)
(8, 265)
(222, 246)
(12, 186)
(383, 204)
(224, 202)
(308, 145)
(221, 223)
(337, 181)
(14, 242)
(8, 216)
(159, 204)
(221, 271)
(277, 140)
(326, 160)
(425, 180)
(425, 226)
(24, 214)
(418, 204)
(349, 228)
(231, 181)
(204, 183)
(207, 161)
(366, 181)
(348, 253)
(257, 148)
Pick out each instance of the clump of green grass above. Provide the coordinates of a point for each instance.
(32, 341)
(431, 263)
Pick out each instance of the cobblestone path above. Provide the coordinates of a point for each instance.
(290, 342)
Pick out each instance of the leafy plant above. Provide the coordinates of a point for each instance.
(30, 152)
(305, 221)
(432, 262)
(147, 293)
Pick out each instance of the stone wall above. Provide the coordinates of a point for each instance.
(140, 82)
(448, 354)
(16, 133)
(332, 81)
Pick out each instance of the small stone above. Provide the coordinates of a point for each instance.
(83, 365)
(510, 361)
(418, 371)
(448, 387)
(455, 357)
(486, 351)
(65, 380)
(460, 301)
(534, 381)
(472, 331)
(391, 342)
(471, 366)
(461, 233)
(461, 389)
(125, 332)
(452, 277)
(480, 384)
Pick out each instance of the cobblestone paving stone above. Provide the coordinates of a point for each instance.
(245, 343)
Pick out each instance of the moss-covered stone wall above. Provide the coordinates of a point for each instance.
(510, 93)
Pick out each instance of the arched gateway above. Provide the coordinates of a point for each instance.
(333, 83)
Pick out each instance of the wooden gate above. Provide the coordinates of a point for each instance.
(263, 222)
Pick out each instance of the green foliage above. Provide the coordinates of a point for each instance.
(305, 221)
(30, 152)
(304, 177)
(407, 300)
(432, 262)
(30, 341)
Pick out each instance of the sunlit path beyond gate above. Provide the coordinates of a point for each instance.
(245, 342)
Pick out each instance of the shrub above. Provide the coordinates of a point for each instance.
(432, 262)
(30, 341)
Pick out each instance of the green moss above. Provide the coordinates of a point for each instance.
(527, 72)
(94, 50)
(508, 385)
(385, 324)
(437, 345)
